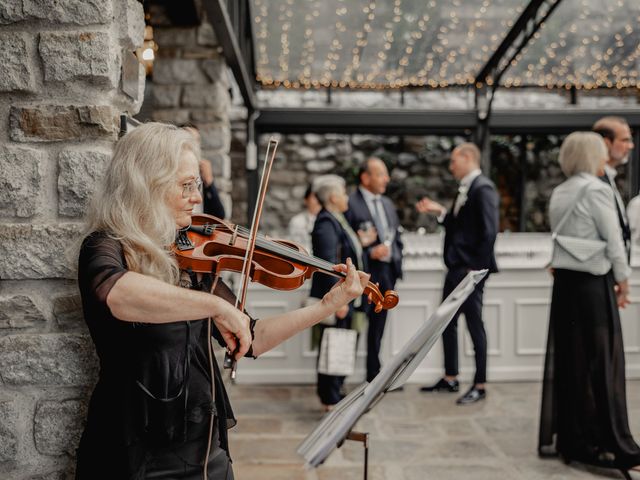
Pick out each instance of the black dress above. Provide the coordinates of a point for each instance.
(584, 409)
(150, 410)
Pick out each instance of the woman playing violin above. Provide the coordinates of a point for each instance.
(159, 409)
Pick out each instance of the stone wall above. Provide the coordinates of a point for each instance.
(190, 84)
(61, 93)
(524, 169)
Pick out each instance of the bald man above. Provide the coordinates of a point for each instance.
(471, 228)
(617, 137)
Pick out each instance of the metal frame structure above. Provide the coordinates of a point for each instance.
(236, 36)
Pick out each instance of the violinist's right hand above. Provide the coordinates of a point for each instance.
(346, 289)
(234, 328)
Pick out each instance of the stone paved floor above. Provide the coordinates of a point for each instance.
(414, 436)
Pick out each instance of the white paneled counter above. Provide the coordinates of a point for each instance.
(516, 312)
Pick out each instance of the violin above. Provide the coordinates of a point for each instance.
(211, 245)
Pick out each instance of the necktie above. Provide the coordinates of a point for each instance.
(379, 219)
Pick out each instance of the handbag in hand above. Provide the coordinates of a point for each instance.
(579, 254)
(337, 351)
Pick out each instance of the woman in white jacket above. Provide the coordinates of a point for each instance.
(584, 411)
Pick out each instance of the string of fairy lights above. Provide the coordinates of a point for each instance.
(376, 44)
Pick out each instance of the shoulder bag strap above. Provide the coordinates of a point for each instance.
(569, 211)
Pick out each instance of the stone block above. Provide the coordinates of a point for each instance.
(171, 115)
(57, 426)
(67, 310)
(50, 123)
(55, 359)
(20, 181)
(77, 55)
(19, 311)
(216, 70)
(215, 136)
(213, 96)
(11, 11)
(79, 12)
(177, 70)
(16, 61)
(132, 25)
(8, 435)
(201, 53)
(80, 172)
(174, 37)
(43, 251)
(206, 36)
(163, 96)
(220, 162)
(208, 115)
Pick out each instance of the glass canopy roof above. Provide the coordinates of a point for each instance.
(586, 43)
(441, 43)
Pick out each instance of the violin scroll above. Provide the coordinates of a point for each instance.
(382, 302)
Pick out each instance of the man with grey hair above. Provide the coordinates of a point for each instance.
(471, 229)
(619, 142)
(369, 208)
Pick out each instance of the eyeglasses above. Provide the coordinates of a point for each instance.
(190, 187)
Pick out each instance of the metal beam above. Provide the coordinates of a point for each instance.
(419, 122)
(379, 121)
(529, 22)
(218, 15)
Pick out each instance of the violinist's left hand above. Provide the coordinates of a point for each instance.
(348, 288)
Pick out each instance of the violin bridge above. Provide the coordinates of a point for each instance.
(234, 236)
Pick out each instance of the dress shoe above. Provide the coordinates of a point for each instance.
(443, 385)
(472, 396)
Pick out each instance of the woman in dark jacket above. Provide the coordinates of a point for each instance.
(333, 240)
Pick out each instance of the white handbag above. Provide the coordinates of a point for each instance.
(579, 254)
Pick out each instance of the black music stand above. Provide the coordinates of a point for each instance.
(336, 426)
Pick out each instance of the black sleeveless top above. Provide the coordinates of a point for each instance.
(154, 385)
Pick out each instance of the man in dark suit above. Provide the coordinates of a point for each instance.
(471, 228)
(617, 137)
(374, 217)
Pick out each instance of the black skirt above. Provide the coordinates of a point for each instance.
(584, 408)
(185, 462)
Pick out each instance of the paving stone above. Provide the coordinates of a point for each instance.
(455, 472)
(265, 450)
(350, 473)
(250, 425)
(271, 472)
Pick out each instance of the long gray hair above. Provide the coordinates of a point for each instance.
(131, 204)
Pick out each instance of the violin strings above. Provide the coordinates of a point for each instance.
(289, 252)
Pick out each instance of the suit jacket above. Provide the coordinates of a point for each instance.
(622, 219)
(359, 213)
(471, 235)
(331, 243)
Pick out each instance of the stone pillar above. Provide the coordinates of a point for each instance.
(191, 85)
(62, 89)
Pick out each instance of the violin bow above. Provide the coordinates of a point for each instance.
(241, 296)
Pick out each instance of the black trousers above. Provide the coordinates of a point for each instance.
(381, 273)
(472, 309)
